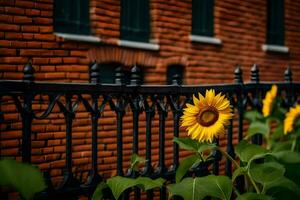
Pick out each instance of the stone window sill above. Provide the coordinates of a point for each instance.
(80, 38)
(138, 45)
(205, 39)
(275, 48)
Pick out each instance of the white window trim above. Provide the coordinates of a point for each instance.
(139, 45)
(275, 48)
(80, 38)
(205, 39)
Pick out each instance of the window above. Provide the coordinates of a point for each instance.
(135, 20)
(174, 70)
(71, 16)
(203, 17)
(107, 73)
(275, 24)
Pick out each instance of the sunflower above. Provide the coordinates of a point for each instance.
(269, 100)
(208, 116)
(291, 118)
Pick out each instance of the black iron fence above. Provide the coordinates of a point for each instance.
(147, 99)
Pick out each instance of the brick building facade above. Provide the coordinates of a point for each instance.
(232, 33)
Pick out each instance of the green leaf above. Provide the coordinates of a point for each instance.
(119, 184)
(187, 143)
(198, 188)
(135, 160)
(281, 146)
(258, 127)
(188, 189)
(253, 115)
(146, 183)
(246, 151)
(278, 132)
(287, 156)
(98, 194)
(253, 196)
(217, 186)
(266, 173)
(206, 147)
(184, 166)
(285, 183)
(25, 178)
(238, 172)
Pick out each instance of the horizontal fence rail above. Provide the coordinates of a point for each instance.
(157, 101)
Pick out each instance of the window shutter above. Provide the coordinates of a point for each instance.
(203, 17)
(275, 24)
(135, 20)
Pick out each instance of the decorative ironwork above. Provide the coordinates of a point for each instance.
(133, 100)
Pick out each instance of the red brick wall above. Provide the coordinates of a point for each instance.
(26, 32)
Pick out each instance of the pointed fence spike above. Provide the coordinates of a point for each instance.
(255, 74)
(288, 75)
(135, 78)
(28, 72)
(94, 73)
(238, 74)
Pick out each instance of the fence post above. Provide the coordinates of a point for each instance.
(176, 115)
(238, 77)
(94, 177)
(288, 77)
(256, 139)
(27, 113)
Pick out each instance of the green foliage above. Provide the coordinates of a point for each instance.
(198, 188)
(258, 127)
(98, 194)
(253, 196)
(119, 184)
(24, 178)
(253, 115)
(246, 151)
(266, 173)
(135, 160)
(193, 145)
(185, 165)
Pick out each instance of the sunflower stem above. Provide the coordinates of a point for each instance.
(228, 156)
(294, 144)
(253, 183)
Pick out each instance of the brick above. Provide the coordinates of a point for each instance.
(61, 52)
(45, 37)
(50, 45)
(33, 52)
(15, 60)
(5, 43)
(47, 13)
(55, 60)
(8, 52)
(42, 21)
(14, 10)
(27, 36)
(32, 12)
(18, 44)
(22, 20)
(31, 45)
(56, 75)
(46, 29)
(40, 61)
(30, 29)
(24, 4)
(6, 18)
(12, 35)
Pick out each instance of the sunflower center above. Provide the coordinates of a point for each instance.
(208, 116)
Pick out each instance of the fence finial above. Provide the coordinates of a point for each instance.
(238, 74)
(119, 76)
(95, 75)
(28, 73)
(255, 74)
(135, 78)
(288, 75)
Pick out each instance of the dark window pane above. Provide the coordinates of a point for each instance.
(174, 70)
(135, 20)
(275, 24)
(203, 17)
(71, 16)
